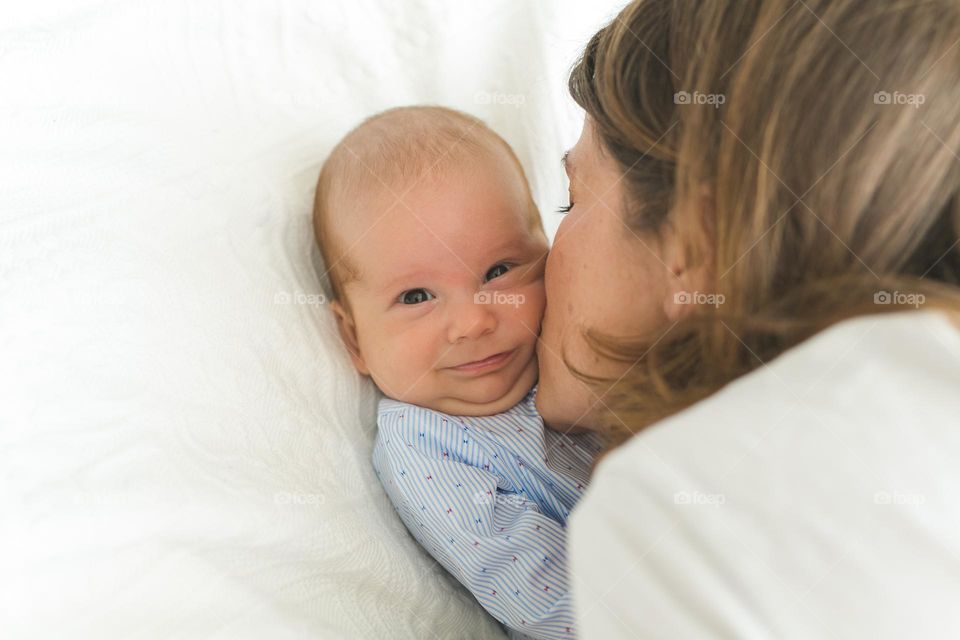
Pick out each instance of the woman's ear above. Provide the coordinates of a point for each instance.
(679, 294)
(348, 333)
(690, 267)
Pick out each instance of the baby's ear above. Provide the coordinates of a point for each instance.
(348, 333)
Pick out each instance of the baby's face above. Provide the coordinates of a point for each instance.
(447, 308)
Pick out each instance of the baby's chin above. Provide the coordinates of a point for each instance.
(488, 402)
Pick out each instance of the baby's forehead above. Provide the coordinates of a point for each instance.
(425, 154)
(452, 235)
(374, 196)
(454, 212)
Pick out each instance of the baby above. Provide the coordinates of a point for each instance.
(435, 253)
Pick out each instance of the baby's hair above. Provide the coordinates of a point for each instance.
(393, 150)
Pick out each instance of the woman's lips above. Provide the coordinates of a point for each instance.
(486, 365)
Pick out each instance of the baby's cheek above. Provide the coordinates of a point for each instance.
(388, 364)
(534, 303)
(414, 355)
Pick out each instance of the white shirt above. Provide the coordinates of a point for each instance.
(817, 497)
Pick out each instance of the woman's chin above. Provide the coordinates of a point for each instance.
(558, 412)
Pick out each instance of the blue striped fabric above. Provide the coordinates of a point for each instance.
(489, 497)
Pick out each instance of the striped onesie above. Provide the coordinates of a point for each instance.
(489, 497)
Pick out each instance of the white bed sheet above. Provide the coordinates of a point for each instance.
(184, 448)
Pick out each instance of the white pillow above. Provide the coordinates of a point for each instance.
(184, 446)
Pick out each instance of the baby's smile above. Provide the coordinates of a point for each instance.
(483, 366)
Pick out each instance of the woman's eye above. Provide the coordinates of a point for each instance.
(565, 208)
(415, 296)
(496, 271)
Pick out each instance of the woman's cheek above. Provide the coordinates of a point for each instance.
(556, 383)
(563, 399)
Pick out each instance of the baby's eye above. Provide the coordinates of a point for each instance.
(415, 296)
(496, 271)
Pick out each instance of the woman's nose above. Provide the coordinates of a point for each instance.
(471, 318)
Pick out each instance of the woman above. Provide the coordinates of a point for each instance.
(757, 177)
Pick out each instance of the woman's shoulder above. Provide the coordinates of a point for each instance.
(954, 319)
(847, 439)
(870, 367)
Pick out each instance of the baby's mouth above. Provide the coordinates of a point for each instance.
(486, 365)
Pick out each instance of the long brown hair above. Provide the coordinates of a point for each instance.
(826, 133)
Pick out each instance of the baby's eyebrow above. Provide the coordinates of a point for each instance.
(415, 277)
(393, 283)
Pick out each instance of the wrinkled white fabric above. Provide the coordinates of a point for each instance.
(184, 446)
(817, 497)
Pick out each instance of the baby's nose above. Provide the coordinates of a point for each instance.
(472, 318)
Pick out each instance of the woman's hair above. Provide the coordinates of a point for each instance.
(826, 134)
